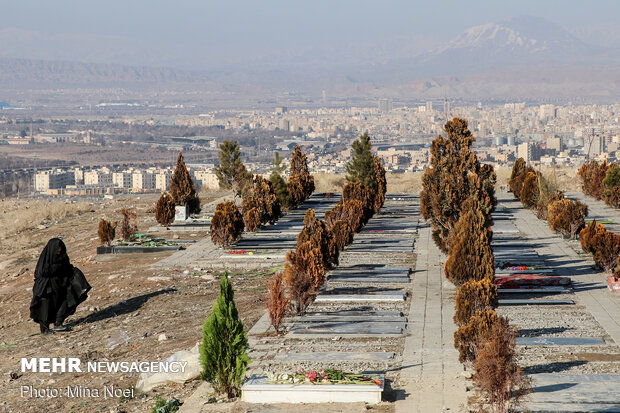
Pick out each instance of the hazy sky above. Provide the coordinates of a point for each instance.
(201, 34)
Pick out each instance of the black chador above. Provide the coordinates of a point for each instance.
(58, 287)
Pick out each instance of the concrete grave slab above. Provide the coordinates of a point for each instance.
(336, 356)
(559, 341)
(362, 298)
(524, 301)
(348, 319)
(356, 328)
(534, 290)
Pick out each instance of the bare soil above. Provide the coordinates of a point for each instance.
(123, 303)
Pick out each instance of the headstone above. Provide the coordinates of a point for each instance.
(181, 213)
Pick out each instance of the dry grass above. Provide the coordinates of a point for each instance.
(19, 216)
(565, 177)
(405, 183)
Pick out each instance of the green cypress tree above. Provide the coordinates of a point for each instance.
(362, 166)
(223, 352)
(231, 172)
(278, 182)
(182, 187)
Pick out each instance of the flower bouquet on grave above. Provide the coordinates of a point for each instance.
(235, 252)
(322, 377)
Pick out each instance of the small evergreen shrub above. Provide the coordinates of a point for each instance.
(223, 352)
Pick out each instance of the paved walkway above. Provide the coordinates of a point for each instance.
(599, 210)
(589, 286)
(431, 372)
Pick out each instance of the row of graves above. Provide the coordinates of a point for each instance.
(357, 323)
(573, 363)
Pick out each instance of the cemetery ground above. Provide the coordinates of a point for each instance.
(144, 307)
(130, 308)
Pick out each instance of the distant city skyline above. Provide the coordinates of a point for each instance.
(246, 35)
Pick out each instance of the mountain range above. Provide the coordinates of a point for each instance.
(522, 56)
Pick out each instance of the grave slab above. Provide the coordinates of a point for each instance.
(348, 319)
(348, 328)
(372, 280)
(361, 298)
(532, 290)
(559, 341)
(518, 301)
(336, 356)
(355, 312)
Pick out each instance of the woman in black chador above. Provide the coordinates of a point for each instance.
(52, 276)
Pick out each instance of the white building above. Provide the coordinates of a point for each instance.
(143, 180)
(122, 179)
(101, 176)
(55, 179)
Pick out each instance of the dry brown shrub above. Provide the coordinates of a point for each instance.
(251, 220)
(381, 184)
(309, 217)
(471, 255)
(587, 235)
(529, 191)
(473, 297)
(277, 302)
(128, 224)
(497, 373)
(295, 189)
(467, 338)
(355, 191)
(517, 175)
(226, 224)
(164, 209)
(298, 283)
(542, 206)
(261, 195)
(343, 235)
(592, 176)
(106, 231)
(567, 217)
(606, 246)
(182, 187)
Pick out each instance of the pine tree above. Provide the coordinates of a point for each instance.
(231, 172)
(182, 187)
(278, 165)
(223, 352)
(361, 168)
